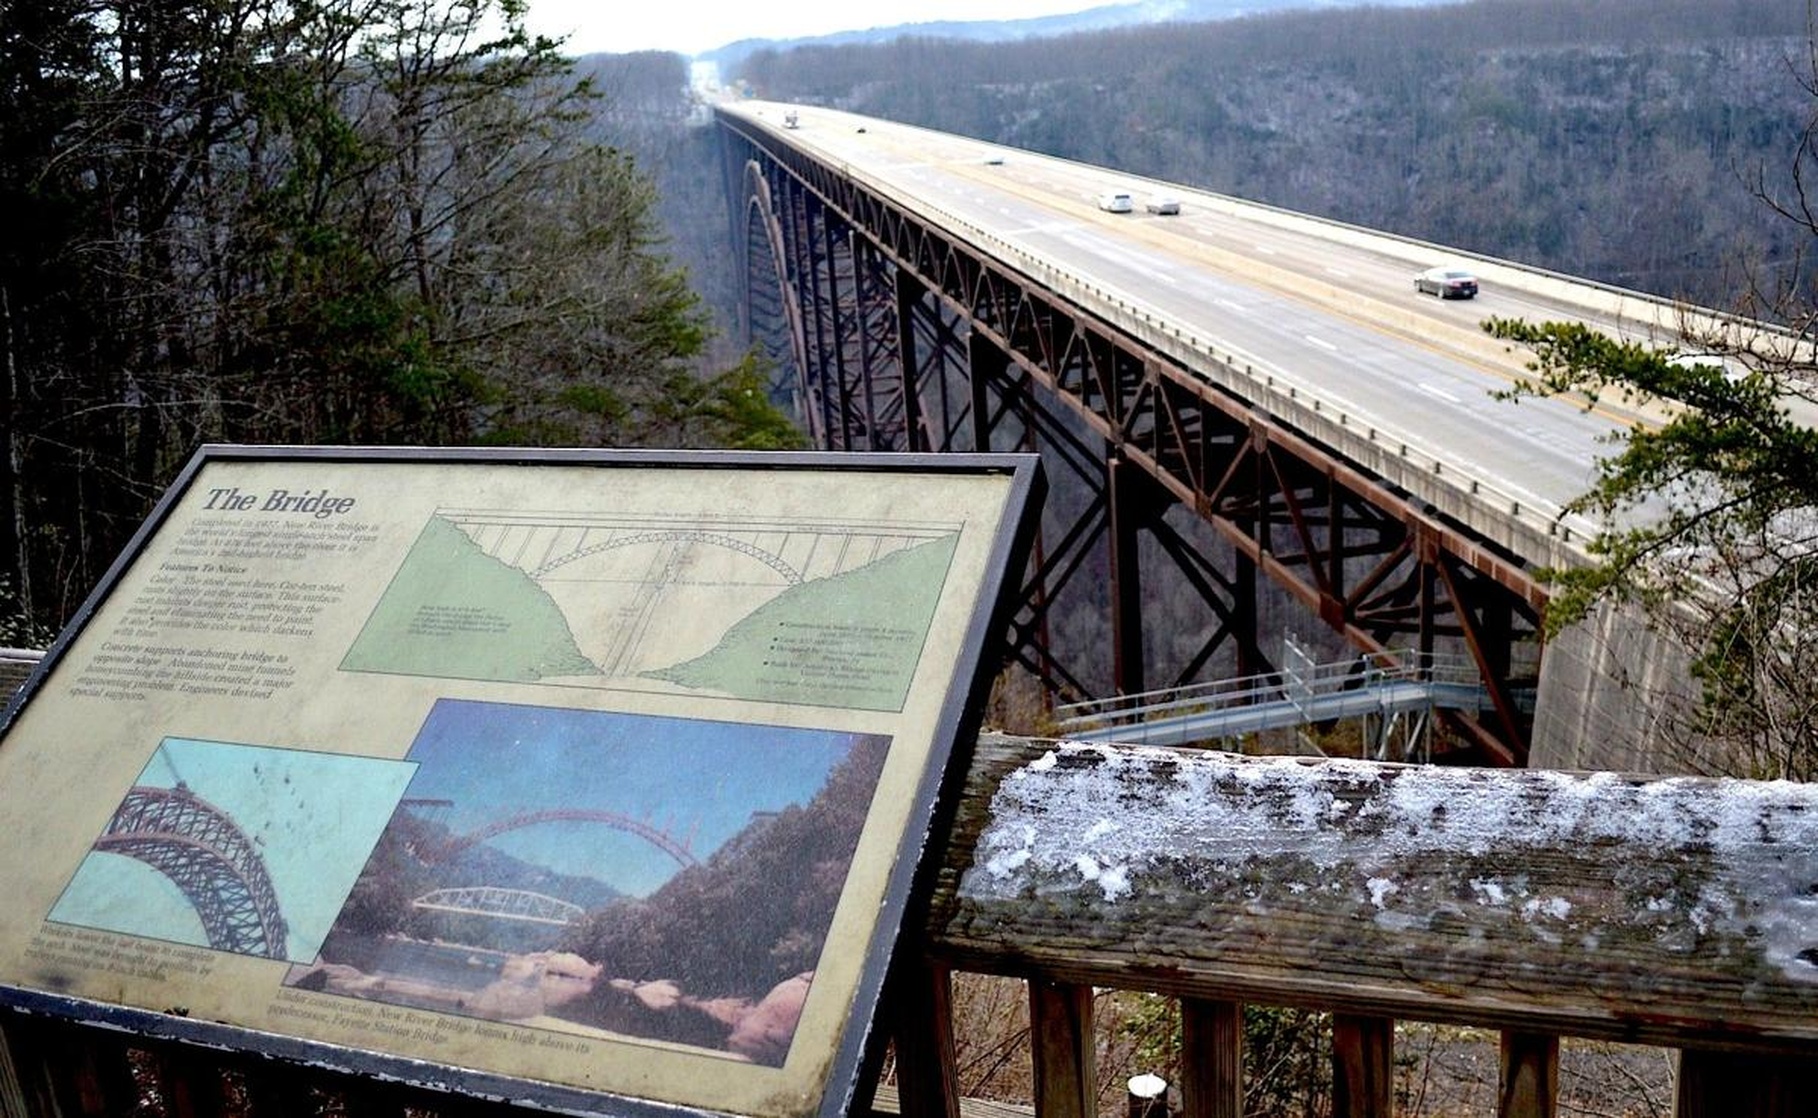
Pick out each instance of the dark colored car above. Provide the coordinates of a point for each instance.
(1447, 283)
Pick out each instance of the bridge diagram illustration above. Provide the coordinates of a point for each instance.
(209, 858)
(735, 605)
(793, 549)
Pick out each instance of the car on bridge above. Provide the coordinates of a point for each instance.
(1447, 283)
(1162, 203)
(1116, 201)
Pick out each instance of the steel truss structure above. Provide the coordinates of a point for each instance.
(207, 856)
(1174, 503)
(500, 904)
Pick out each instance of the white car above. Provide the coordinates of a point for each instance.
(1162, 204)
(1116, 201)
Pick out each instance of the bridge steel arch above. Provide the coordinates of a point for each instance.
(655, 836)
(206, 855)
(913, 337)
(771, 315)
(685, 535)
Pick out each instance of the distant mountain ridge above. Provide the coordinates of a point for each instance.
(1103, 18)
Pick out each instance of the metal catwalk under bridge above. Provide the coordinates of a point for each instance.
(1392, 695)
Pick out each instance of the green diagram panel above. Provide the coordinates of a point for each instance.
(851, 640)
(455, 612)
(815, 611)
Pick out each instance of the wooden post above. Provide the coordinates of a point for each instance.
(1211, 1059)
(1530, 1076)
(189, 1081)
(1060, 1036)
(1736, 1085)
(1363, 1065)
(13, 1099)
(42, 1080)
(920, 1005)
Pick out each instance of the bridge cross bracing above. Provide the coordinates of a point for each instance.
(1171, 483)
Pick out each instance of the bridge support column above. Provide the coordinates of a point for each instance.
(808, 261)
(911, 296)
(990, 365)
(1130, 509)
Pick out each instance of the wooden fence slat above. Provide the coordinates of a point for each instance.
(48, 1069)
(274, 1091)
(1211, 1059)
(1060, 1036)
(189, 1081)
(15, 1099)
(920, 1008)
(1746, 1085)
(1363, 1066)
(1530, 1075)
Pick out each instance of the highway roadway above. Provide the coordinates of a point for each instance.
(1328, 309)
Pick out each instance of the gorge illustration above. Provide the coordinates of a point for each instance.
(815, 611)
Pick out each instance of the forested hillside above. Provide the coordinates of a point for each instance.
(1613, 139)
(403, 222)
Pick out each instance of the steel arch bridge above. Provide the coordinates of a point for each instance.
(500, 904)
(898, 333)
(775, 562)
(655, 836)
(205, 854)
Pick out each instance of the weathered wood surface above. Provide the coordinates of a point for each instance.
(1530, 1076)
(16, 665)
(1676, 912)
(1363, 1066)
(1212, 1059)
(887, 1102)
(1063, 1050)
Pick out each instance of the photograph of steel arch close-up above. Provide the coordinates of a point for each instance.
(1425, 389)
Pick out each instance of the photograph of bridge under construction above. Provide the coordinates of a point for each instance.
(239, 848)
(663, 880)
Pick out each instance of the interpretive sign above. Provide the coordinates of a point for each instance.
(591, 779)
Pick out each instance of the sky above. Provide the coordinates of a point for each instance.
(697, 781)
(595, 25)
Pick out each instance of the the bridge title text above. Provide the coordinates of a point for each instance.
(317, 503)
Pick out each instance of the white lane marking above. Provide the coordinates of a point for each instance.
(1265, 250)
(1339, 272)
(1321, 343)
(1439, 392)
(1232, 306)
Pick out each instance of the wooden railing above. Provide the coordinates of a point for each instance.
(1680, 913)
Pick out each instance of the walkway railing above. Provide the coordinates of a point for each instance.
(1381, 685)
